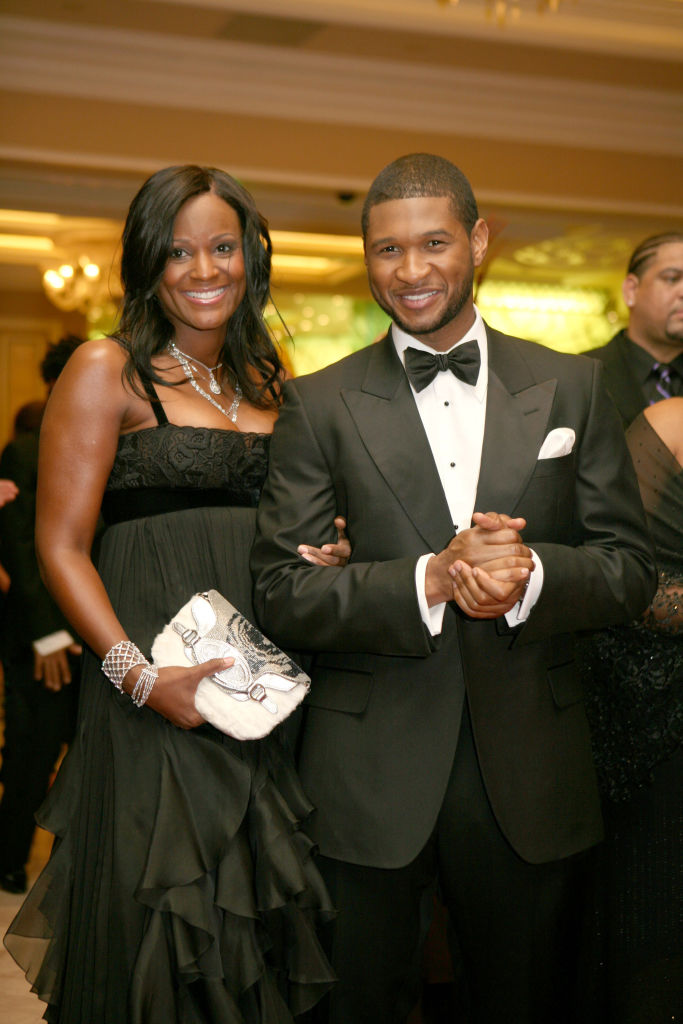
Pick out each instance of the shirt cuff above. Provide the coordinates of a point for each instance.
(52, 642)
(432, 617)
(522, 610)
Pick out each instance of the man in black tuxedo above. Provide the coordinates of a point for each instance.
(445, 734)
(644, 363)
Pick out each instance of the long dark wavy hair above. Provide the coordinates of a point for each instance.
(249, 355)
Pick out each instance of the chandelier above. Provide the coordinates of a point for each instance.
(501, 11)
(78, 285)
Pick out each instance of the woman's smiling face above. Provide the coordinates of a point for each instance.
(204, 280)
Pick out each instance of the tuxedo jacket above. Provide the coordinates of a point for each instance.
(384, 710)
(619, 376)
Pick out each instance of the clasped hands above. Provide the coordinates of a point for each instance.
(484, 569)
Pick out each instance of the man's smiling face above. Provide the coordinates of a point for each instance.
(421, 264)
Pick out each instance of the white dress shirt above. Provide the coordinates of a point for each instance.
(453, 414)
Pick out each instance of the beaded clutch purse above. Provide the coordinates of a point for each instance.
(259, 690)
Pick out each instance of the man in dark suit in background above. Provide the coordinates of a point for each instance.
(644, 362)
(37, 653)
(445, 735)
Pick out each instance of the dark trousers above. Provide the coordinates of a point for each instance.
(37, 723)
(515, 924)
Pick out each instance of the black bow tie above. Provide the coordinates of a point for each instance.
(422, 367)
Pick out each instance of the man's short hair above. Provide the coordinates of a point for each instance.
(56, 357)
(420, 175)
(644, 253)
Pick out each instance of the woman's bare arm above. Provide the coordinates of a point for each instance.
(78, 442)
(87, 411)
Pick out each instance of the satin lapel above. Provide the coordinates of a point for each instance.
(517, 411)
(389, 424)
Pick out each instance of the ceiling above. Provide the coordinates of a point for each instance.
(569, 124)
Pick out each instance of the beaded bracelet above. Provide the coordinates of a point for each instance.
(118, 661)
(144, 684)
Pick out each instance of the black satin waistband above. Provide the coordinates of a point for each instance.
(140, 503)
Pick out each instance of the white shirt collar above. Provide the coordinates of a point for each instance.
(476, 332)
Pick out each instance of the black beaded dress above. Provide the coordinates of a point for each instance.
(180, 889)
(635, 706)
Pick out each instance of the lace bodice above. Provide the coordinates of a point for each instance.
(170, 467)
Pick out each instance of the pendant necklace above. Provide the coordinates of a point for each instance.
(185, 361)
(214, 386)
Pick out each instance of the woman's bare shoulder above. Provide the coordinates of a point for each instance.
(93, 379)
(98, 355)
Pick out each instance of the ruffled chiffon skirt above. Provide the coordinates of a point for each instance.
(180, 889)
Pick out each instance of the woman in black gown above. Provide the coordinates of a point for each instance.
(180, 888)
(635, 702)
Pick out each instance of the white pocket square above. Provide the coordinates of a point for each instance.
(558, 442)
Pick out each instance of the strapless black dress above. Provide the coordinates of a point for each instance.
(180, 889)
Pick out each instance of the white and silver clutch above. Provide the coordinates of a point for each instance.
(259, 690)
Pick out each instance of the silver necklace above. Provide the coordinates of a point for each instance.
(184, 361)
(214, 386)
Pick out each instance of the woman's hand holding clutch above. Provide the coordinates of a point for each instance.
(173, 693)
